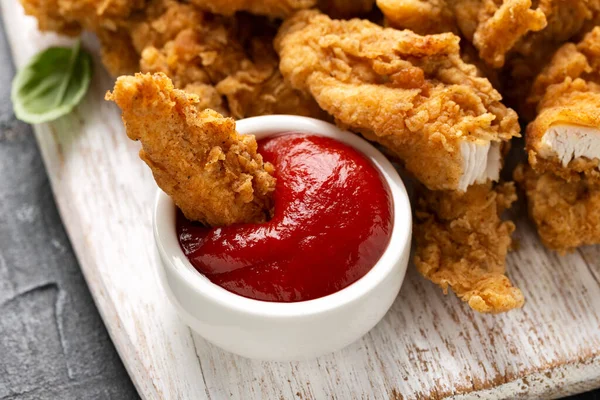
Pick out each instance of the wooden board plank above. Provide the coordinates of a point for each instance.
(428, 346)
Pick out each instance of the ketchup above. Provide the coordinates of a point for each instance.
(332, 223)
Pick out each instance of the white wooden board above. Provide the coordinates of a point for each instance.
(428, 346)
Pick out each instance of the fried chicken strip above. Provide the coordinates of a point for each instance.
(462, 244)
(229, 62)
(212, 173)
(518, 36)
(565, 136)
(562, 183)
(245, 74)
(494, 27)
(566, 214)
(412, 94)
(259, 88)
(525, 30)
(416, 97)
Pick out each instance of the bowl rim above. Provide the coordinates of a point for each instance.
(263, 126)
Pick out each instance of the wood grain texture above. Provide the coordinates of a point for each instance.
(428, 346)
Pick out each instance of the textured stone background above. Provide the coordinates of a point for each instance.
(53, 344)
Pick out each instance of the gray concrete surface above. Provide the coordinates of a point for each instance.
(53, 344)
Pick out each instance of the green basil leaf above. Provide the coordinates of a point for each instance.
(52, 84)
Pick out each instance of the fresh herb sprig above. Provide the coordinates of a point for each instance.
(51, 84)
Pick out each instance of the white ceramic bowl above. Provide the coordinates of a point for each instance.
(286, 331)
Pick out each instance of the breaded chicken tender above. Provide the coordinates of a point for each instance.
(125, 28)
(518, 36)
(212, 173)
(462, 244)
(566, 214)
(245, 74)
(270, 8)
(523, 32)
(565, 136)
(229, 62)
(494, 27)
(259, 88)
(412, 94)
(501, 27)
(572, 60)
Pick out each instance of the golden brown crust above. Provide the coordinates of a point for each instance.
(504, 25)
(258, 88)
(566, 214)
(412, 94)
(581, 60)
(461, 243)
(517, 33)
(202, 55)
(567, 92)
(212, 173)
(494, 27)
(49, 16)
(566, 20)
(271, 8)
(246, 75)
(229, 62)
(568, 103)
(420, 16)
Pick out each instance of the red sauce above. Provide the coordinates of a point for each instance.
(332, 223)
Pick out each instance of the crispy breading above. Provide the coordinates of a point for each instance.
(567, 94)
(412, 94)
(566, 20)
(566, 214)
(95, 14)
(70, 16)
(523, 32)
(504, 26)
(259, 87)
(494, 27)
(247, 75)
(571, 104)
(49, 17)
(161, 21)
(167, 31)
(154, 25)
(420, 16)
(212, 173)
(205, 54)
(581, 60)
(271, 8)
(229, 62)
(461, 244)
